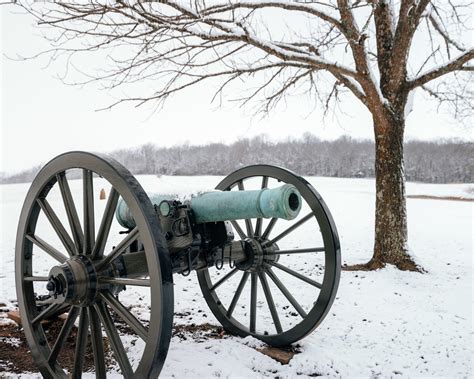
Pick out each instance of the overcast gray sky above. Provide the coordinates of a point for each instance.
(42, 117)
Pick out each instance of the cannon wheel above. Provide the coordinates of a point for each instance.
(101, 309)
(324, 291)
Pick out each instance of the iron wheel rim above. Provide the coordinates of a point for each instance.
(158, 261)
(332, 260)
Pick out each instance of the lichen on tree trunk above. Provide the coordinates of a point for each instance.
(391, 237)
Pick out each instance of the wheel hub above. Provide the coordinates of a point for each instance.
(74, 282)
(258, 255)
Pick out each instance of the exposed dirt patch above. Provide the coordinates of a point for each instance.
(14, 351)
(429, 197)
(406, 264)
(199, 333)
(202, 332)
(66, 357)
(15, 355)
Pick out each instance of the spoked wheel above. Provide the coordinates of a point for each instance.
(74, 261)
(293, 271)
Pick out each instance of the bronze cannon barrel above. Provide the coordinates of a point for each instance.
(280, 202)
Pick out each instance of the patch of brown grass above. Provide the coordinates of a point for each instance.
(429, 197)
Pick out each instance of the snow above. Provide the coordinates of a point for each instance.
(393, 16)
(376, 82)
(409, 104)
(386, 323)
(303, 55)
(356, 84)
(15, 342)
(307, 7)
(438, 67)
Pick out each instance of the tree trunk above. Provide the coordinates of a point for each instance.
(391, 237)
(390, 207)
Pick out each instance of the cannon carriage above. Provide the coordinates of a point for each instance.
(244, 244)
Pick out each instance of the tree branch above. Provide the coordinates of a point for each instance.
(357, 43)
(457, 64)
(384, 26)
(290, 6)
(444, 34)
(354, 87)
(182, 43)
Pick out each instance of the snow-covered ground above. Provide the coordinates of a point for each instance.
(382, 324)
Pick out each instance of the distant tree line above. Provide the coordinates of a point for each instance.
(24, 176)
(433, 162)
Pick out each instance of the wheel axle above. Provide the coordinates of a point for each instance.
(74, 282)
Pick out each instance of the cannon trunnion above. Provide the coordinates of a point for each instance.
(264, 247)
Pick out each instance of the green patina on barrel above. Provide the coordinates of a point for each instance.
(124, 216)
(281, 202)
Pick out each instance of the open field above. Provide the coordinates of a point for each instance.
(382, 324)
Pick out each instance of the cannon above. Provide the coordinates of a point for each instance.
(263, 244)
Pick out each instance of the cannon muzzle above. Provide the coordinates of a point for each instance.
(281, 202)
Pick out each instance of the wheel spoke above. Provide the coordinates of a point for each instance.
(46, 247)
(41, 303)
(119, 249)
(125, 281)
(81, 343)
(71, 211)
(297, 275)
(45, 313)
(290, 229)
(253, 301)
(126, 315)
(224, 278)
(258, 226)
(57, 226)
(79, 227)
(274, 281)
(35, 278)
(239, 230)
(114, 340)
(270, 302)
(97, 343)
(105, 225)
(237, 294)
(269, 228)
(298, 251)
(56, 312)
(287, 293)
(249, 227)
(89, 221)
(63, 334)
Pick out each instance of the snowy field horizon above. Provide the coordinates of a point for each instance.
(385, 323)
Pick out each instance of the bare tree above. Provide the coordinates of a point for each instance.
(276, 47)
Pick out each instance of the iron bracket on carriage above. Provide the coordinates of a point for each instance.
(230, 237)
